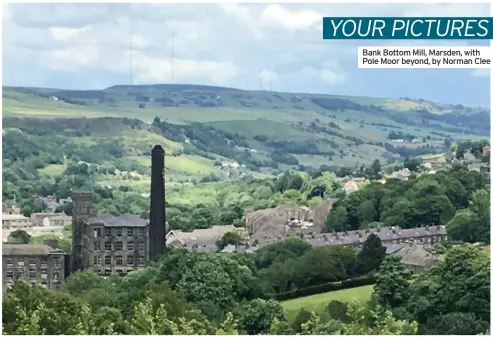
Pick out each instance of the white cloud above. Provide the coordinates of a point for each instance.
(72, 59)
(149, 69)
(64, 34)
(481, 72)
(277, 15)
(332, 76)
(6, 15)
(244, 16)
(267, 76)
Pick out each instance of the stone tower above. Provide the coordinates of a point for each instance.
(82, 210)
(157, 227)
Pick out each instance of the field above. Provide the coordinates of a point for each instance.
(317, 303)
(338, 130)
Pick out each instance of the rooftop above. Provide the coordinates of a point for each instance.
(7, 217)
(27, 250)
(125, 220)
(202, 235)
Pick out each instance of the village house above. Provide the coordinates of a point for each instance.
(402, 174)
(200, 239)
(13, 220)
(486, 150)
(50, 219)
(425, 235)
(415, 257)
(350, 186)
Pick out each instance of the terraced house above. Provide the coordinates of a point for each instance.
(44, 264)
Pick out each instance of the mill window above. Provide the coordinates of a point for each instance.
(107, 260)
(107, 232)
(97, 232)
(142, 261)
(97, 246)
(130, 260)
(119, 232)
(108, 246)
(130, 246)
(97, 260)
(141, 246)
(119, 246)
(119, 260)
(130, 232)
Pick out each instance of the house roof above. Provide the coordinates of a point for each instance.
(230, 248)
(385, 234)
(28, 250)
(7, 217)
(416, 255)
(125, 220)
(199, 235)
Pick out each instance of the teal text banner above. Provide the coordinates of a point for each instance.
(407, 28)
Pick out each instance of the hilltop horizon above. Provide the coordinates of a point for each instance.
(232, 88)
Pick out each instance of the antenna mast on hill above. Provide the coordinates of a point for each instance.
(130, 57)
(172, 56)
(131, 77)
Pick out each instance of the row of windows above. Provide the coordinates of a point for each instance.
(32, 273)
(107, 272)
(33, 262)
(108, 246)
(130, 260)
(119, 232)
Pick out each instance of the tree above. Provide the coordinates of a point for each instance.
(392, 285)
(472, 225)
(229, 238)
(339, 311)
(18, 237)
(337, 219)
(34, 310)
(412, 163)
(375, 168)
(455, 323)
(367, 213)
(362, 321)
(302, 317)
(259, 314)
(382, 322)
(459, 283)
(371, 255)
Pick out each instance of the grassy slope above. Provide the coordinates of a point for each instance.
(269, 113)
(317, 303)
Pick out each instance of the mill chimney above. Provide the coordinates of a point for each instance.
(157, 226)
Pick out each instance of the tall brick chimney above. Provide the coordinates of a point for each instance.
(82, 210)
(157, 226)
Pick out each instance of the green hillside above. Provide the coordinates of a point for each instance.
(279, 130)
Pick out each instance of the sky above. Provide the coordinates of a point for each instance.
(248, 46)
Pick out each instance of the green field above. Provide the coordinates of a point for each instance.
(347, 131)
(317, 303)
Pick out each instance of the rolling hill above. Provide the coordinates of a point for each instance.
(202, 125)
